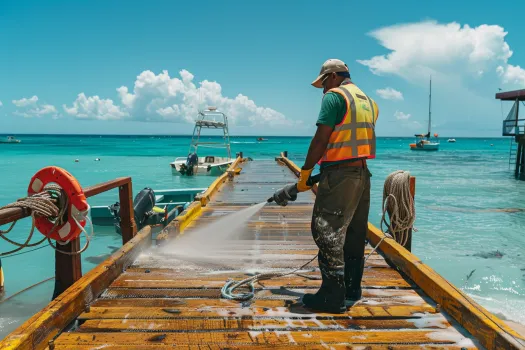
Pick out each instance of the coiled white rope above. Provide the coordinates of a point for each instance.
(399, 205)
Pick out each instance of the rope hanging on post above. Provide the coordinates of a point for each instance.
(49, 207)
(399, 205)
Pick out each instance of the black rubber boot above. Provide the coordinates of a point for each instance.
(353, 276)
(331, 296)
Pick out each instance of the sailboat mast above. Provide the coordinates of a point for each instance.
(430, 106)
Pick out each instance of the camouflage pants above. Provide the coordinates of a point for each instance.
(340, 217)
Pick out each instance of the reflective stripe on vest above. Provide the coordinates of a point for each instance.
(355, 136)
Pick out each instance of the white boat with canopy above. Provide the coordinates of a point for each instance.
(210, 164)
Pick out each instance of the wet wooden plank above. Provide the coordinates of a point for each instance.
(448, 336)
(276, 293)
(288, 282)
(295, 310)
(163, 265)
(224, 303)
(159, 325)
(219, 275)
(340, 346)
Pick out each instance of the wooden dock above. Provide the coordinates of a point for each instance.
(144, 297)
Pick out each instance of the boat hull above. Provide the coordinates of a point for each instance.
(202, 169)
(424, 147)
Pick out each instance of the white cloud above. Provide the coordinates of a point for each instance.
(390, 94)
(37, 111)
(29, 107)
(401, 116)
(24, 102)
(512, 74)
(418, 50)
(93, 107)
(159, 97)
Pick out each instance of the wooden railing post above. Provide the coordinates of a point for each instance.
(408, 246)
(128, 226)
(68, 268)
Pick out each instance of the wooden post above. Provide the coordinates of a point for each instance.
(408, 246)
(521, 146)
(127, 216)
(68, 268)
(518, 158)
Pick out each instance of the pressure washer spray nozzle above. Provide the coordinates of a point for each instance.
(289, 192)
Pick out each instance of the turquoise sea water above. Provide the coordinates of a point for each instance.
(457, 189)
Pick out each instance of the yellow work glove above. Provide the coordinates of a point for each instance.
(303, 177)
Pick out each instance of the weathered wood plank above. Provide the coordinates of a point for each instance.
(159, 325)
(408, 295)
(448, 336)
(295, 310)
(219, 275)
(224, 303)
(324, 346)
(288, 282)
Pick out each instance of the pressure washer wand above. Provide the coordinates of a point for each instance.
(289, 192)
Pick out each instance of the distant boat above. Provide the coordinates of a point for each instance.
(423, 142)
(451, 140)
(9, 139)
(210, 164)
(261, 139)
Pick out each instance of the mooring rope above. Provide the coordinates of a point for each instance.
(42, 204)
(399, 205)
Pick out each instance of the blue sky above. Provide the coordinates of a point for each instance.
(136, 67)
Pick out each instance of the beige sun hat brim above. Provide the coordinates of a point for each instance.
(330, 66)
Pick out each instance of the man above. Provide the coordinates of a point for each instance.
(344, 140)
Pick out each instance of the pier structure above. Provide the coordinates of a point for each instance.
(514, 127)
(143, 297)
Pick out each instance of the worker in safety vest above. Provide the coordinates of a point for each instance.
(344, 141)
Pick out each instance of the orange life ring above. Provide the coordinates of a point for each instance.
(77, 203)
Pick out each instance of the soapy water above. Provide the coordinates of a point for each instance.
(213, 243)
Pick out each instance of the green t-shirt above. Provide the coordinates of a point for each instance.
(333, 110)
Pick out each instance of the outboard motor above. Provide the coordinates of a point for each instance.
(143, 205)
(191, 161)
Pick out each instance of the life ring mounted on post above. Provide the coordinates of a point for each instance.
(68, 227)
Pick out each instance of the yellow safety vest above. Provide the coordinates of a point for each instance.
(354, 137)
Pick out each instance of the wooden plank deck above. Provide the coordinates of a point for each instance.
(161, 302)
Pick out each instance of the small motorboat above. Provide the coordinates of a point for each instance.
(210, 164)
(9, 139)
(261, 139)
(451, 140)
(157, 208)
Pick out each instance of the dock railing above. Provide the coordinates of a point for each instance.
(68, 265)
(517, 127)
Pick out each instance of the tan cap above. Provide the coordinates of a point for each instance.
(332, 65)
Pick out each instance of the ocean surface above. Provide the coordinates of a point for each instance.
(460, 190)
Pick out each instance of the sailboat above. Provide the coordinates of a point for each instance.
(423, 142)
